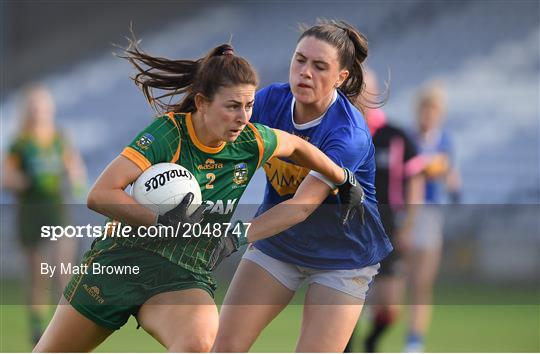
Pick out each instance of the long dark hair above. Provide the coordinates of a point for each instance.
(219, 68)
(352, 48)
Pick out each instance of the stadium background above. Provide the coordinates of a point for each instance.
(486, 53)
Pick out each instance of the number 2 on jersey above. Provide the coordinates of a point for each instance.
(212, 178)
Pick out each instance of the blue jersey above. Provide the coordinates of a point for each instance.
(439, 143)
(321, 241)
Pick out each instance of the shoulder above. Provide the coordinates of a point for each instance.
(272, 102)
(275, 89)
(347, 121)
(275, 93)
(162, 131)
(167, 124)
(18, 144)
(343, 112)
(256, 135)
(254, 132)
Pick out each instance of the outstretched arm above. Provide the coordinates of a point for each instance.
(309, 195)
(307, 155)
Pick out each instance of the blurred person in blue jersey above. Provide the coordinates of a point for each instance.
(435, 146)
(400, 184)
(37, 162)
(338, 261)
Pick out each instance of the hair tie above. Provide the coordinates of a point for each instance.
(228, 52)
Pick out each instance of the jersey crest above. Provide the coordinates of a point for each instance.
(240, 173)
(145, 141)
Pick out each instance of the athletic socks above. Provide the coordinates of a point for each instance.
(415, 343)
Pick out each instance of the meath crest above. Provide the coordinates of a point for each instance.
(240, 173)
(145, 140)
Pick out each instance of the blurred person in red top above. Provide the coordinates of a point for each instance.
(399, 182)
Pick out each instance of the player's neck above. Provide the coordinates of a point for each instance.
(44, 136)
(203, 133)
(305, 113)
(429, 134)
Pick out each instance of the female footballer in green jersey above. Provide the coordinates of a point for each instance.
(209, 133)
(37, 161)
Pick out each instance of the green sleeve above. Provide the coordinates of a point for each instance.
(158, 142)
(269, 139)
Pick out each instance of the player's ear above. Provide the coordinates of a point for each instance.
(201, 103)
(343, 75)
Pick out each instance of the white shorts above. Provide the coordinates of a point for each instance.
(354, 282)
(427, 232)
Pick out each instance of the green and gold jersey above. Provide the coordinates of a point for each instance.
(223, 174)
(43, 166)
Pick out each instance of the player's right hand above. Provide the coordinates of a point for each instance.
(178, 217)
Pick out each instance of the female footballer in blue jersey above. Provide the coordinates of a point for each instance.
(338, 261)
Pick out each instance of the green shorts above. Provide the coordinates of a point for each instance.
(30, 219)
(107, 290)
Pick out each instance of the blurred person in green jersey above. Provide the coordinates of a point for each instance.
(208, 132)
(38, 160)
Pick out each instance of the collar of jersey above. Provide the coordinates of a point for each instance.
(314, 122)
(196, 141)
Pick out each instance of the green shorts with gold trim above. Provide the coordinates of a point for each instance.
(113, 282)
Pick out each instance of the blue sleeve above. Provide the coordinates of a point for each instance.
(348, 147)
(446, 146)
(259, 107)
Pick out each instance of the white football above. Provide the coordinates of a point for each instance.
(164, 185)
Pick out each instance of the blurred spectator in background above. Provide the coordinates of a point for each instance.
(400, 184)
(38, 159)
(435, 147)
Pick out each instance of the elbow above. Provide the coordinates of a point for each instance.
(304, 212)
(92, 201)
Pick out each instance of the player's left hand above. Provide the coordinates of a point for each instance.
(228, 244)
(352, 198)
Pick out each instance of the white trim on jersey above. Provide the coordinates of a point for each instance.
(314, 122)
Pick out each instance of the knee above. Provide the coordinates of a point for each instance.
(196, 344)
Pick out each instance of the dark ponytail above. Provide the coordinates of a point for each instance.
(352, 48)
(219, 68)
